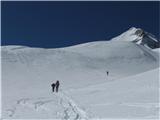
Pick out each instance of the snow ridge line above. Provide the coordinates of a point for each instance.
(71, 110)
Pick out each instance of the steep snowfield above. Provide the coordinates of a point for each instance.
(131, 97)
(130, 90)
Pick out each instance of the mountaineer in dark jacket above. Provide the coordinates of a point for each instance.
(53, 86)
(57, 86)
(107, 73)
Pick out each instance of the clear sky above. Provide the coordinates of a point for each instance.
(58, 24)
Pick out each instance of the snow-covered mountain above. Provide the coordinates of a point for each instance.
(139, 36)
(133, 66)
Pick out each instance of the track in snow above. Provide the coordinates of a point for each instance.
(68, 110)
(71, 110)
(29, 105)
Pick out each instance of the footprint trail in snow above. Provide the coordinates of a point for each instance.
(71, 109)
(67, 109)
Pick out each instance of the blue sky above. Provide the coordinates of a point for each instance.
(58, 24)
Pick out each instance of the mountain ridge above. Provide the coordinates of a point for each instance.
(139, 36)
(136, 35)
(93, 55)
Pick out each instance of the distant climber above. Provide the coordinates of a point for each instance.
(57, 86)
(53, 86)
(107, 73)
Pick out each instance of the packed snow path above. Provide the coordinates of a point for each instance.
(69, 109)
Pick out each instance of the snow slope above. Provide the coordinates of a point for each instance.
(131, 97)
(157, 50)
(130, 90)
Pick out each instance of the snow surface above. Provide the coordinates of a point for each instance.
(157, 50)
(86, 92)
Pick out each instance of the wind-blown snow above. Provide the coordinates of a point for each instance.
(130, 90)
